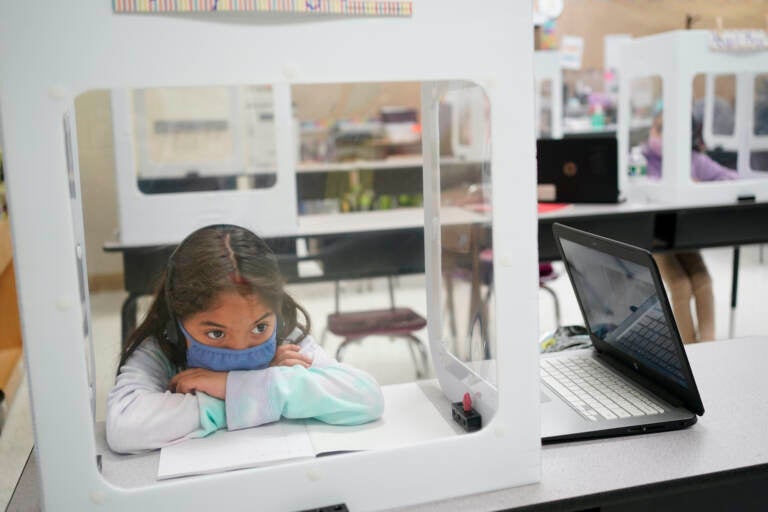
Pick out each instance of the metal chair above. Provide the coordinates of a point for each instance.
(354, 326)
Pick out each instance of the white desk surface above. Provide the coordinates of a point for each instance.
(731, 435)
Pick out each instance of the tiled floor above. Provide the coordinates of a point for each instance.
(389, 361)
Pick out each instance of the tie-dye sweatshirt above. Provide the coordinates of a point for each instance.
(143, 415)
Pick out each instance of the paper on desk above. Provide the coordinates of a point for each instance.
(222, 451)
(409, 418)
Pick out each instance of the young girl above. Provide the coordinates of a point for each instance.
(223, 346)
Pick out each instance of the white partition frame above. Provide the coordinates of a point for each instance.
(51, 51)
(546, 66)
(677, 57)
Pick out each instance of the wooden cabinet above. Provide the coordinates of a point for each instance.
(10, 326)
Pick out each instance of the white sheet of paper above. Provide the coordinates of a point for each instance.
(409, 418)
(221, 451)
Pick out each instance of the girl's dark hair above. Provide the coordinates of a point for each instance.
(212, 260)
(697, 136)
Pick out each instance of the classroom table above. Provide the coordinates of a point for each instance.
(381, 243)
(720, 463)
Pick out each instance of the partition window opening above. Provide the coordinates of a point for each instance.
(466, 210)
(645, 128)
(715, 127)
(354, 262)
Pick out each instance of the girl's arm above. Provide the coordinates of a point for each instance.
(143, 415)
(703, 168)
(329, 391)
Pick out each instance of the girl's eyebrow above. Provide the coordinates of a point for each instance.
(212, 324)
(265, 315)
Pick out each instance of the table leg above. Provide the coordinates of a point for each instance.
(734, 290)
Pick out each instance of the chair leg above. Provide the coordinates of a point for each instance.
(555, 301)
(449, 304)
(343, 347)
(421, 369)
(486, 338)
(419, 375)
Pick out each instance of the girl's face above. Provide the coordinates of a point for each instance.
(234, 322)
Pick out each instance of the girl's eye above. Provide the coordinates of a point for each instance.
(260, 329)
(215, 334)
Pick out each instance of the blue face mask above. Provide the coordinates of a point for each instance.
(219, 359)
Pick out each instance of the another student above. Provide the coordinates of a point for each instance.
(703, 168)
(685, 272)
(224, 346)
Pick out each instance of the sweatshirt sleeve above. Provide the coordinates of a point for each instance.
(143, 415)
(329, 391)
(703, 168)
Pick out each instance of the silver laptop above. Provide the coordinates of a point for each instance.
(636, 378)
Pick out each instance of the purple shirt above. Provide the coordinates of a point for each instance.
(703, 168)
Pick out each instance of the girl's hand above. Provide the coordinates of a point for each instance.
(288, 355)
(200, 379)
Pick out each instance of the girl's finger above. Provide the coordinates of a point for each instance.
(174, 382)
(294, 362)
(293, 357)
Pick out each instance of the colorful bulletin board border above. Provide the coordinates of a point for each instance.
(339, 7)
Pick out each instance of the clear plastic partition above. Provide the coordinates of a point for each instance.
(258, 218)
(645, 128)
(730, 124)
(355, 266)
(466, 242)
(714, 123)
(714, 96)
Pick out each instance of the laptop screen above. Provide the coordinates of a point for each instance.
(623, 309)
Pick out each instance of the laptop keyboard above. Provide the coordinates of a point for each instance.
(651, 340)
(594, 391)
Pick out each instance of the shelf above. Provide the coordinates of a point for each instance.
(360, 165)
(383, 220)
